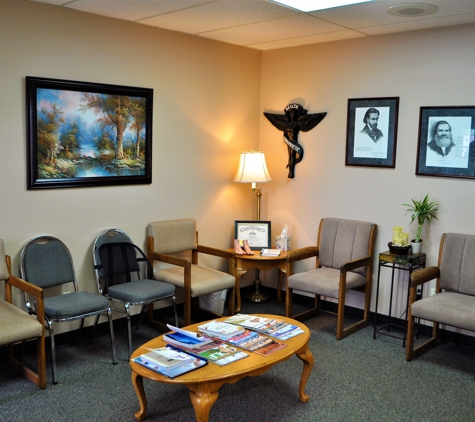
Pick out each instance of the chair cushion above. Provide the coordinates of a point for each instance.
(324, 281)
(343, 240)
(173, 236)
(454, 309)
(203, 280)
(457, 263)
(141, 291)
(73, 304)
(16, 325)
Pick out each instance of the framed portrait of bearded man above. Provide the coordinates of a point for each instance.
(445, 147)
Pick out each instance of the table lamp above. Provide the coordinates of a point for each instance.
(253, 169)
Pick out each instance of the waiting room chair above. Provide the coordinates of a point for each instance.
(47, 263)
(18, 326)
(117, 263)
(344, 261)
(172, 247)
(454, 301)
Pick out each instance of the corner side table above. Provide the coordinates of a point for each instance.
(245, 262)
(409, 262)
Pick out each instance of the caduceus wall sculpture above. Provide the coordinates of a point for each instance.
(291, 123)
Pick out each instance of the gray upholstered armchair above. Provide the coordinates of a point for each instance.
(17, 326)
(454, 301)
(344, 261)
(172, 247)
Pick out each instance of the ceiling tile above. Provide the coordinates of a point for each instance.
(224, 14)
(278, 29)
(134, 9)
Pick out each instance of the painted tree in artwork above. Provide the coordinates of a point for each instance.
(138, 115)
(49, 121)
(114, 111)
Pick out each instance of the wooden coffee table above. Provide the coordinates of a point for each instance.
(205, 382)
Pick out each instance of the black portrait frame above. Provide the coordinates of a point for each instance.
(359, 145)
(43, 169)
(241, 228)
(459, 161)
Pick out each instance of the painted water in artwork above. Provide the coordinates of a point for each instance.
(83, 134)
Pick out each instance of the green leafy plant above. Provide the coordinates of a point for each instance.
(422, 210)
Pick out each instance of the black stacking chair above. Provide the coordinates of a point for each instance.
(47, 263)
(119, 265)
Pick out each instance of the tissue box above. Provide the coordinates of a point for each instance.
(283, 243)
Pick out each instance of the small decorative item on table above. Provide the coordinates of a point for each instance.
(284, 242)
(399, 250)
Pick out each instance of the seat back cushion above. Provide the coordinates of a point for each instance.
(173, 236)
(342, 240)
(48, 264)
(457, 263)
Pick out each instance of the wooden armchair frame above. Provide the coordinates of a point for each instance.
(191, 303)
(313, 251)
(39, 378)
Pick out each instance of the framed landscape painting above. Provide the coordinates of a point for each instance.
(87, 134)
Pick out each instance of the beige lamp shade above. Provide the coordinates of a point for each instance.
(252, 168)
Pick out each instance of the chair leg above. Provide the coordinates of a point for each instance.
(96, 320)
(231, 301)
(187, 311)
(139, 323)
(112, 336)
(78, 341)
(129, 327)
(288, 303)
(175, 315)
(53, 350)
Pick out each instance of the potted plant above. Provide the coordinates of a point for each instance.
(423, 210)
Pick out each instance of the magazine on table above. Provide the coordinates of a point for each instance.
(175, 371)
(270, 252)
(220, 329)
(167, 357)
(223, 354)
(184, 338)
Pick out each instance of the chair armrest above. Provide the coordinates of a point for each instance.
(355, 263)
(23, 285)
(302, 253)
(26, 287)
(169, 259)
(424, 275)
(215, 251)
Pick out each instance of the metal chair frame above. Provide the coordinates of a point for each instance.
(49, 320)
(125, 309)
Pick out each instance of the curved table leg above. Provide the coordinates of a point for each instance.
(306, 356)
(137, 382)
(202, 399)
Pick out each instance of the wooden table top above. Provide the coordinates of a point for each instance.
(212, 372)
(258, 257)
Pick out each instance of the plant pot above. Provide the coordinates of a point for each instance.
(416, 246)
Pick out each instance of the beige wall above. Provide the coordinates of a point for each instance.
(426, 68)
(206, 111)
(208, 104)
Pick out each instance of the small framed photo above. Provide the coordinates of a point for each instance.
(372, 132)
(83, 134)
(257, 233)
(445, 147)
